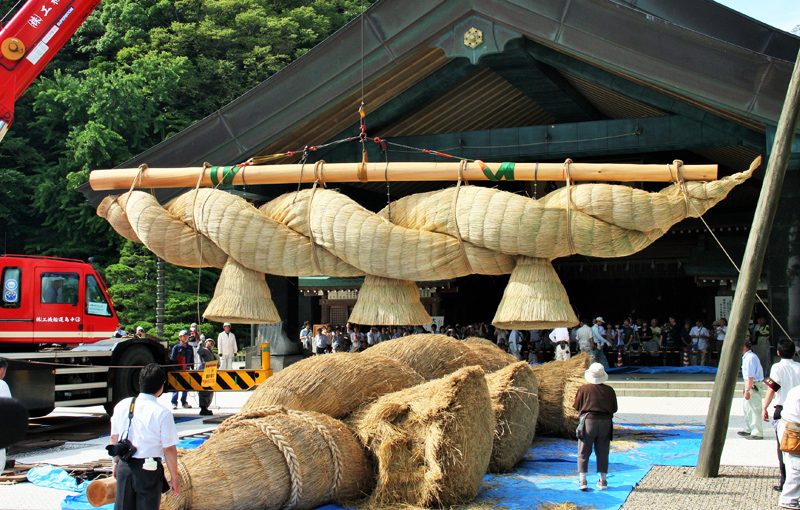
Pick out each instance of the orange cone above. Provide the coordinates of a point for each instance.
(619, 358)
(685, 358)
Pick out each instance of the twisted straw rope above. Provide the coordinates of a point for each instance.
(183, 472)
(336, 453)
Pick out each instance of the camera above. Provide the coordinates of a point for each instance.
(123, 449)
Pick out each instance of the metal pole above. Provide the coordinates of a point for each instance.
(160, 295)
(725, 382)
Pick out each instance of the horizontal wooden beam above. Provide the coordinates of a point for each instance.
(122, 179)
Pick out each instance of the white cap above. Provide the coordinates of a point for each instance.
(226, 324)
(599, 319)
(595, 374)
(139, 328)
(183, 332)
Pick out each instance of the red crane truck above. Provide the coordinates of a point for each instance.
(57, 329)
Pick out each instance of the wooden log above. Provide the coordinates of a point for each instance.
(122, 178)
(102, 491)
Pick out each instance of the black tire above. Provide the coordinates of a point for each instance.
(125, 381)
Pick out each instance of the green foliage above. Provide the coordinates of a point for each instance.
(137, 72)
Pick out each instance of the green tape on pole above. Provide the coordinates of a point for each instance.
(213, 173)
(506, 171)
(227, 175)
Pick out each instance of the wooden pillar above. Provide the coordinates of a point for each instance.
(725, 382)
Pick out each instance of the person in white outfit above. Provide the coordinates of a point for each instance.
(783, 376)
(560, 338)
(226, 346)
(5, 392)
(752, 374)
(790, 494)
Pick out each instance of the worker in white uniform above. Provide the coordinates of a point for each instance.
(226, 346)
(790, 494)
(752, 374)
(783, 376)
(5, 392)
(560, 338)
(149, 426)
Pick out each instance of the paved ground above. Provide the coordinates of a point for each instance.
(676, 488)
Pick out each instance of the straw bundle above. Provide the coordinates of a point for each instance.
(493, 358)
(111, 210)
(558, 383)
(273, 458)
(431, 356)
(389, 303)
(432, 442)
(515, 402)
(534, 298)
(101, 491)
(335, 384)
(241, 296)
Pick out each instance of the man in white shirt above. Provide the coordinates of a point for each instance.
(783, 376)
(5, 392)
(599, 333)
(305, 335)
(584, 337)
(150, 428)
(560, 338)
(753, 374)
(791, 487)
(226, 346)
(700, 336)
(321, 341)
(373, 336)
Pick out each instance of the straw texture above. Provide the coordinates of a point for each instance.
(534, 298)
(492, 357)
(515, 402)
(242, 297)
(558, 383)
(273, 458)
(111, 210)
(432, 442)
(387, 302)
(431, 356)
(334, 384)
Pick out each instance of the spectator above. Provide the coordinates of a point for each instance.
(599, 333)
(373, 337)
(515, 343)
(501, 338)
(355, 340)
(671, 333)
(761, 340)
(205, 353)
(337, 340)
(140, 332)
(321, 341)
(653, 345)
(305, 336)
(584, 337)
(753, 374)
(790, 416)
(560, 338)
(596, 403)
(783, 376)
(226, 344)
(720, 330)
(182, 355)
(700, 337)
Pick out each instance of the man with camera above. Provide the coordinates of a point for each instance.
(142, 433)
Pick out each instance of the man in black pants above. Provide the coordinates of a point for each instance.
(151, 429)
(783, 376)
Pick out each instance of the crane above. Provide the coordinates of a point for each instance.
(29, 41)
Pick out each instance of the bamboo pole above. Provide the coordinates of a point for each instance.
(101, 180)
(752, 262)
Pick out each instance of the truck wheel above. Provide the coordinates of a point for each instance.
(125, 381)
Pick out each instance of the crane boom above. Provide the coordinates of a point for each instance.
(29, 41)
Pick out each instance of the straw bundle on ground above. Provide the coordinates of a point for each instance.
(389, 302)
(515, 402)
(272, 459)
(334, 384)
(534, 298)
(432, 442)
(101, 491)
(557, 388)
(431, 356)
(493, 358)
(241, 296)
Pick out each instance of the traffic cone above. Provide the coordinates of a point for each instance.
(685, 358)
(619, 358)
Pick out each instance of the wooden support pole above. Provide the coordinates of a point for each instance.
(101, 180)
(725, 382)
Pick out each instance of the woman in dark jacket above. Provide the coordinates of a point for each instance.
(596, 404)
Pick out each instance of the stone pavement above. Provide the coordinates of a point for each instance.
(676, 488)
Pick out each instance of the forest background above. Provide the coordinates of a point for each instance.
(137, 72)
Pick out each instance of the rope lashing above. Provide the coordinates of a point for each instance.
(138, 178)
(571, 243)
(333, 448)
(461, 167)
(505, 171)
(228, 173)
(318, 168)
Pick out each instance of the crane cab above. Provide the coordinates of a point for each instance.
(49, 300)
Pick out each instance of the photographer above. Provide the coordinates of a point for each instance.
(142, 430)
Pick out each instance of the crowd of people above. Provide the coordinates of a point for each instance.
(628, 342)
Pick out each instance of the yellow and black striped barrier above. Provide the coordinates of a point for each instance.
(226, 380)
(211, 379)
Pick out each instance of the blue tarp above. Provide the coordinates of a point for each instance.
(549, 472)
(79, 501)
(663, 370)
